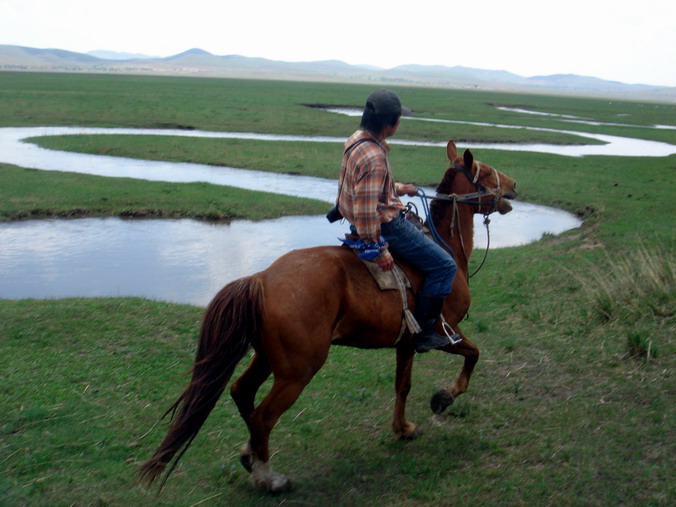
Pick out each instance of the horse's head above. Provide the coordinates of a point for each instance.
(482, 185)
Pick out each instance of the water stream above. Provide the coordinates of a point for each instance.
(187, 261)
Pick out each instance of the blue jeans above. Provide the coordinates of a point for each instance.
(408, 243)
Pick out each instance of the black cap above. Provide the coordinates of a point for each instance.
(383, 102)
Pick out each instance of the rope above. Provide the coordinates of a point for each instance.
(430, 222)
(488, 245)
(455, 199)
(411, 323)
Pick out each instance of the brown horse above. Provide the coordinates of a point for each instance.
(308, 300)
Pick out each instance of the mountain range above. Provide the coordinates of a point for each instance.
(197, 62)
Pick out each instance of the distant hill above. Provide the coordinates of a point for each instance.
(114, 55)
(197, 62)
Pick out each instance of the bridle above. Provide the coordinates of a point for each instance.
(473, 198)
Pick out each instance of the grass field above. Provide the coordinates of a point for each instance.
(572, 401)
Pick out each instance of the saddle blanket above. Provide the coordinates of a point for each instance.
(387, 280)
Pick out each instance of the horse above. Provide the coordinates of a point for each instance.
(310, 299)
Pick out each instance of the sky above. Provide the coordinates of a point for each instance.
(619, 40)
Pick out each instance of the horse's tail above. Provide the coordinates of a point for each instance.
(230, 323)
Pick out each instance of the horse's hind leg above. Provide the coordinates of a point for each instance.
(445, 397)
(281, 397)
(243, 392)
(403, 428)
(244, 389)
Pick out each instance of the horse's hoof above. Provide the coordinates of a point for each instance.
(245, 460)
(410, 432)
(413, 434)
(441, 401)
(246, 457)
(280, 486)
(276, 487)
(273, 484)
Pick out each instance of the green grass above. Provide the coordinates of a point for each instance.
(546, 419)
(309, 158)
(29, 193)
(572, 399)
(279, 107)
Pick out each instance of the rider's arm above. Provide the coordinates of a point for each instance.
(367, 190)
(406, 189)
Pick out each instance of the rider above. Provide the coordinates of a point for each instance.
(368, 199)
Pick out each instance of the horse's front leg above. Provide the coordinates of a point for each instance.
(443, 398)
(402, 428)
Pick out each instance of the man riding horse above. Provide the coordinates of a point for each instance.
(368, 197)
(310, 299)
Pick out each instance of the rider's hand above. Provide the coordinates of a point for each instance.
(408, 189)
(385, 261)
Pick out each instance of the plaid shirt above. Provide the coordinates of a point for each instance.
(367, 193)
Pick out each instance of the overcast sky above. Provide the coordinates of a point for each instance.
(629, 41)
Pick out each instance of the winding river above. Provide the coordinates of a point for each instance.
(187, 261)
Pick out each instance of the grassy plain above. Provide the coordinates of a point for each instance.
(571, 402)
(29, 193)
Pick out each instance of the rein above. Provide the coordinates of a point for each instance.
(473, 198)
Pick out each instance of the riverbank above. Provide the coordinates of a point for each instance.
(30, 194)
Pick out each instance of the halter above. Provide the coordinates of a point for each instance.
(473, 198)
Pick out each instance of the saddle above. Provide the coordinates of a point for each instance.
(390, 280)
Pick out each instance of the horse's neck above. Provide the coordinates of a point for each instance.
(458, 233)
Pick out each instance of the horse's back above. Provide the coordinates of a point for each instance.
(327, 291)
(296, 272)
(314, 278)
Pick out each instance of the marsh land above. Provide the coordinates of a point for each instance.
(572, 401)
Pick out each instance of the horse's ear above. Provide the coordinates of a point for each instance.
(468, 158)
(451, 150)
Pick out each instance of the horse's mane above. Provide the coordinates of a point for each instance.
(446, 183)
(445, 186)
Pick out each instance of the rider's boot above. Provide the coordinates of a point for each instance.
(427, 311)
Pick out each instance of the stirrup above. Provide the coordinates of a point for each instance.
(453, 336)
